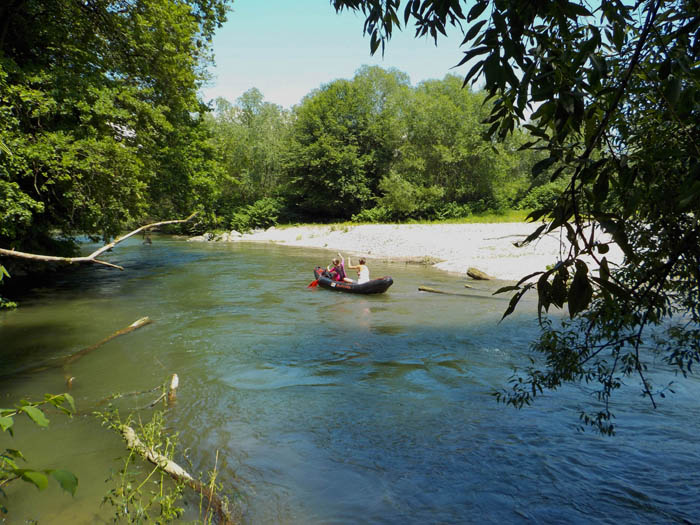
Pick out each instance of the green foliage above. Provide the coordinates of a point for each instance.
(407, 200)
(4, 303)
(452, 210)
(9, 458)
(343, 141)
(97, 106)
(610, 94)
(150, 495)
(145, 496)
(542, 196)
(445, 146)
(262, 213)
(373, 215)
(249, 140)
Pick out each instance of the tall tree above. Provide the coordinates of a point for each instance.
(251, 136)
(343, 140)
(96, 98)
(445, 147)
(614, 89)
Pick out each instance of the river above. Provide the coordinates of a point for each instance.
(331, 408)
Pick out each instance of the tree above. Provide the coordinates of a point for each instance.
(250, 136)
(611, 94)
(343, 140)
(97, 100)
(445, 147)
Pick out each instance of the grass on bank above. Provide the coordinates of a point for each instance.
(480, 218)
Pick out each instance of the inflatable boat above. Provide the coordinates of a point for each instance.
(374, 286)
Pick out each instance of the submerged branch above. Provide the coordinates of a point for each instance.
(133, 326)
(435, 290)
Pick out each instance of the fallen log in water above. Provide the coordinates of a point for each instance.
(64, 362)
(133, 326)
(434, 290)
(92, 258)
(176, 472)
(473, 295)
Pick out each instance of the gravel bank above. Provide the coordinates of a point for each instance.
(449, 247)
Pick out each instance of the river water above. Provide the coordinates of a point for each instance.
(326, 407)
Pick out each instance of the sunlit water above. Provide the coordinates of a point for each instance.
(331, 408)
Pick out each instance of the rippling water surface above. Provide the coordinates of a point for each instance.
(332, 408)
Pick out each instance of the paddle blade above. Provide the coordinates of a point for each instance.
(313, 284)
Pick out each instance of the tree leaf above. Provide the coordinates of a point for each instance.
(38, 479)
(473, 30)
(475, 11)
(15, 453)
(71, 402)
(66, 479)
(6, 423)
(506, 289)
(544, 294)
(574, 11)
(36, 414)
(581, 291)
(542, 165)
(558, 292)
(673, 91)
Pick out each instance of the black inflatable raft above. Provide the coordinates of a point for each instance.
(374, 286)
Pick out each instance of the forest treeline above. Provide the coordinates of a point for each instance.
(371, 149)
(102, 128)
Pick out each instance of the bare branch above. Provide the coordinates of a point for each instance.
(138, 230)
(92, 258)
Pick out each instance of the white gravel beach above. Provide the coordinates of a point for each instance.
(449, 247)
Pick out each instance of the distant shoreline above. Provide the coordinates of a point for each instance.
(449, 247)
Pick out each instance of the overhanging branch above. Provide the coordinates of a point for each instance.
(92, 258)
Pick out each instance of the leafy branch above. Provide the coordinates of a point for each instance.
(9, 459)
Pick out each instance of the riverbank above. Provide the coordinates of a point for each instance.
(449, 247)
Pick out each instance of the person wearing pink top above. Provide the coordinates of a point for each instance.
(337, 269)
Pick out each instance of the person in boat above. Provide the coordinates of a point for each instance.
(362, 270)
(337, 269)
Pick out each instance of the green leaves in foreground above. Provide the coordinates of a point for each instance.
(9, 458)
(40, 479)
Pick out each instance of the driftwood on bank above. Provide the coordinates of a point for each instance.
(176, 472)
(92, 258)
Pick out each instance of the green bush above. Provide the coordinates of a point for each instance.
(376, 214)
(262, 213)
(453, 210)
(405, 200)
(541, 196)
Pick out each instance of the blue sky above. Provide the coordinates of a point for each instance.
(286, 48)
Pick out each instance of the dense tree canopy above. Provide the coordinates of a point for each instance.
(445, 147)
(98, 102)
(368, 148)
(343, 141)
(614, 91)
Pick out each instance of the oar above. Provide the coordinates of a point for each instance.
(313, 284)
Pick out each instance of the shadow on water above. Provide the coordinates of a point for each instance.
(333, 408)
